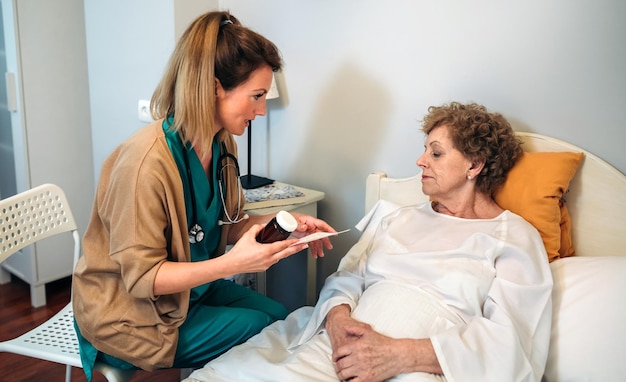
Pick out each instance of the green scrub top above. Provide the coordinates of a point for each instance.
(208, 198)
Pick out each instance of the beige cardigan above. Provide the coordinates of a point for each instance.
(138, 222)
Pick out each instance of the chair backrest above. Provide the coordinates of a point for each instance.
(34, 215)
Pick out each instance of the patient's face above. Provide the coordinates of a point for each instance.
(444, 168)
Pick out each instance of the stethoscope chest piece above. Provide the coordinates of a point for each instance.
(196, 234)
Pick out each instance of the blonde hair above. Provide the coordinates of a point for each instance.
(214, 47)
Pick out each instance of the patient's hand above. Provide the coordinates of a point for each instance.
(338, 320)
(376, 357)
(370, 358)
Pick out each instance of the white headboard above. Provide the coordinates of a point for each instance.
(596, 199)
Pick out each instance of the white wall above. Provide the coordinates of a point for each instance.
(360, 74)
(128, 46)
(128, 43)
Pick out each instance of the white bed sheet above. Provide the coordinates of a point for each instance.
(299, 349)
(266, 357)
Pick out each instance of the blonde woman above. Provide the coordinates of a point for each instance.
(149, 291)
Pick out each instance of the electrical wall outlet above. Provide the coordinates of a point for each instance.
(143, 111)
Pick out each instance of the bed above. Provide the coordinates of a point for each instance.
(576, 201)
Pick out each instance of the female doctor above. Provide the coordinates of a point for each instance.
(149, 290)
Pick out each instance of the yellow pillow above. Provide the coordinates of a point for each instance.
(534, 188)
(567, 247)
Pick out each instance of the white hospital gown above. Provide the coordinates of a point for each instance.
(480, 289)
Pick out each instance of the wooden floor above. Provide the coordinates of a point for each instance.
(17, 316)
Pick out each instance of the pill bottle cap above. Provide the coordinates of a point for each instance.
(286, 221)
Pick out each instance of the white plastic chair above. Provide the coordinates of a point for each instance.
(26, 218)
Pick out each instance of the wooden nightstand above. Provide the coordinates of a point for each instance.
(306, 205)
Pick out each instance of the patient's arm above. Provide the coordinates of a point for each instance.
(362, 353)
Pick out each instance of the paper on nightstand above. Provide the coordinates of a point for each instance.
(317, 236)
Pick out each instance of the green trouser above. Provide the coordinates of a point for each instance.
(226, 315)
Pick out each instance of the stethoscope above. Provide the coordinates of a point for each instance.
(226, 159)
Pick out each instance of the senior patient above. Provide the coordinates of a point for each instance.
(456, 289)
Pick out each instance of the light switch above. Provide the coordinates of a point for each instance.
(143, 110)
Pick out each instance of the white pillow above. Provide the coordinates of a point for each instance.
(588, 339)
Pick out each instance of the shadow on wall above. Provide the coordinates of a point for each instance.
(348, 124)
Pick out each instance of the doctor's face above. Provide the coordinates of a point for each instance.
(444, 168)
(240, 105)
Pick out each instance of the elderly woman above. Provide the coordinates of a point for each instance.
(456, 289)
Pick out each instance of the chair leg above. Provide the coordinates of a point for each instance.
(68, 373)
